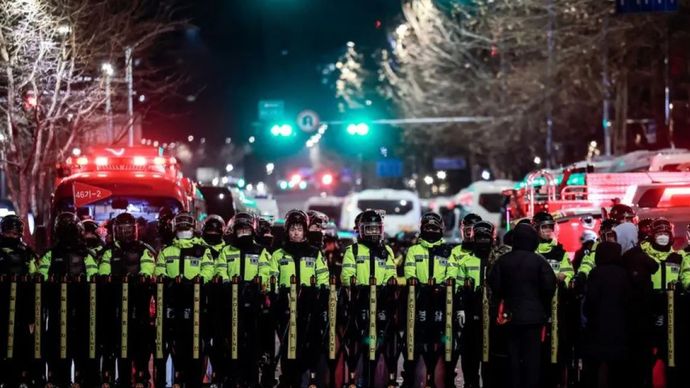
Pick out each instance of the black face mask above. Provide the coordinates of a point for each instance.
(213, 239)
(244, 241)
(315, 238)
(431, 236)
(265, 241)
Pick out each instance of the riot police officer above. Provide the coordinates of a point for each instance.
(239, 262)
(429, 263)
(91, 238)
(606, 233)
(369, 259)
(127, 260)
(165, 235)
(300, 264)
(67, 265)
(472, 271)
(17, 263)
(664, 280)
(212, 233)
(185, 263)
(317, 225)
(264, 234)
(466, 246)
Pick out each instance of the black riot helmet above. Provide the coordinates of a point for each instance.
(317, 224)
(431, 227)
(622, 213)
(67, 228)
(606, 230)
(90, 227)
(212, 229)
(371, 227)
(467, 222)
(183, 221)
(12, 225)
(644, 228)
(264, 233)
(125, 229)
(483, 233)
(662, 232)
(242, 221)
(543, 219)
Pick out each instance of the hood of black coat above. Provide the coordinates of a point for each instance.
(525, 238)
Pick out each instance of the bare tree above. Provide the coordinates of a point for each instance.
(52, 54)
(492, 59)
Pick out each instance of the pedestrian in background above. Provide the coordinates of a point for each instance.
(524, 284)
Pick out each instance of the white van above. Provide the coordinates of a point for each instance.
(330, 206)
(485, 198)
(403, 209)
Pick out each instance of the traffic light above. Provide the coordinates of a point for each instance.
(283, 130)
(358, 129)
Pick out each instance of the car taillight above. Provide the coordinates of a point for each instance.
(82, 161)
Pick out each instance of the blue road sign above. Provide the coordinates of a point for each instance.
(640, 6)
(450, 164)
(389, 168)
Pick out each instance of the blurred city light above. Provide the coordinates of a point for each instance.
(252, 139)
(359, 129)
(537, 160)
(269, 168)
(441, 175)
(229, 167)
(241, 183)
(428, 180)
(327, 179)
(486, 175)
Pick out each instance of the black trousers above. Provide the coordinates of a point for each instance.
(471, 351)
(524, 353)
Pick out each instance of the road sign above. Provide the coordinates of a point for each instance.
(639, 6)
(85, 194)
(389, 168)
(450, 164)
(271, 110)
(308, 121)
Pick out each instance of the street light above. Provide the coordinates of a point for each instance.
(537, 160)
(486, 175)
(64, 29)
(269, 168)
(441, 175)
(252, 139)
(428, 180)
(283, 130)
(229, 167)
(108, 69)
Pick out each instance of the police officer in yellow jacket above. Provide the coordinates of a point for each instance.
(126, 259)
(186, 261)
(606, 233)
(239, 261)
(68, 260)
(17, 264)
(472, 270)
(548, 247)
(298, 260)
(467, 245)
(369, 256)
(212, 233)
(429, 262)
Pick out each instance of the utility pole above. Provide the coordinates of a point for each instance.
(108, 71)
(606, 83)
(130, 96)
(549, 87)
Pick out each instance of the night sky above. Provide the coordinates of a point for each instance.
(242, 51)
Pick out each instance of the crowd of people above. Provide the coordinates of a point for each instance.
(512, 312)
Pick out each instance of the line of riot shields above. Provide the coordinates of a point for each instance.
(224, 333)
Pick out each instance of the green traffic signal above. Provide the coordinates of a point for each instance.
(359, 129)
(283, 130)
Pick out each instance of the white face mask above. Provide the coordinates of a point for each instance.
(185, 234)
(663, 240)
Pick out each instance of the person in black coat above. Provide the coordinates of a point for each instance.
(524, 284)
(607, 309)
